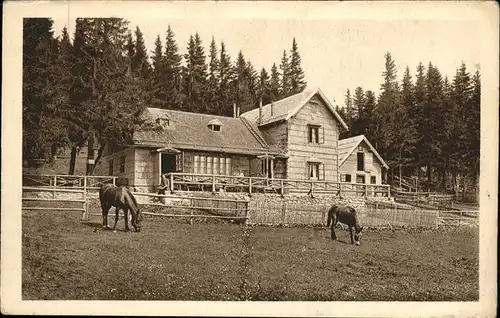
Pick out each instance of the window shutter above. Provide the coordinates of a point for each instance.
(322, 137)
(321, 171)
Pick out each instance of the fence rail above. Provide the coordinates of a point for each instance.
(202, 182)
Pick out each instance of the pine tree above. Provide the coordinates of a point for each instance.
(140, 64)
(349, 111)
(107, 99)
(368, 109)
(358, 116)
(242, 86)
(172, 77)
(286, 89)
(195, 75)
(43, 132)
(274, 83)
(265, 87)
(408, 104)
(213, 79)
(225, 77)
(297, 81)
(158, 79)
(433, 139)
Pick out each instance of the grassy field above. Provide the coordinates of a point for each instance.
(65, 258)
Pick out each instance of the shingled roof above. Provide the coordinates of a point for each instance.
(348, 145)
(190, 131)
(285, 108)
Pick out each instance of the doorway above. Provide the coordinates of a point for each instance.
(167, 163)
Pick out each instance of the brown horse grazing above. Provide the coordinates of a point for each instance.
(348, 216)
(121, 198)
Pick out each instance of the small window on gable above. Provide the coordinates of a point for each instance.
(360, 148)
(215, 125)
(164, 122)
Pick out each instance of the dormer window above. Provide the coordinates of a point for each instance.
(164, 122)
(215, 125)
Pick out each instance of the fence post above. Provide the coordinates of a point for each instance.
(171, 183)
(250, 185)
(213, 183)
(366, 190)
(54, 188)
(114, 180)
(282, 187)
(312, 188)
(85, 207)
(283, 211)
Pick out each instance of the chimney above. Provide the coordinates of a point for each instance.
(272, 108)
(260, 111)
(234, 110)
(238, 111)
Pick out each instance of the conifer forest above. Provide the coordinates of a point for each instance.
(90, 87)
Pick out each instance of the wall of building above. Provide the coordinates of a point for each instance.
(300, 150)
(373, 168)
(102, 167)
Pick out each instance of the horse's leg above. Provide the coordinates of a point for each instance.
(125, 211)
(351, 234)
(332, 227)
(105, 210)
(116, 218)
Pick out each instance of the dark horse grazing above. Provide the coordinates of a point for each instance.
(346, 215)
(122, 199)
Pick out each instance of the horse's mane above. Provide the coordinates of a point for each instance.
(132, 197)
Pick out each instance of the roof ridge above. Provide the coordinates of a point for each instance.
(191, 113)
(255, 134)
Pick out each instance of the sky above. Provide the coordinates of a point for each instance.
(338, 52)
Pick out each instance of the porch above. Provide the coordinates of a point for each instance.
(202, 182)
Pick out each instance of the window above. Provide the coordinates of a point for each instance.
(209, 165)
(203, 164)
(178, 162)
(361, 161)
(313, 134)
(216, 166)
(360, 179)
(110, 171)
(196, 166)
(345, 178)
(215, 125)
(164, 122)
(228, 166)
(360, 148)
(315, 171)
(222, 165)
(212, 165)
(373, 179)
(122, 164)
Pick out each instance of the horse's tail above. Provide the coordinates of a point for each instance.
(330, 215)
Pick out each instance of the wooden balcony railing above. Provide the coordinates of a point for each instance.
(202, 182)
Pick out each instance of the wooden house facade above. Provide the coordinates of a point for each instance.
(306, 128)
(293, 138)
(360, 162)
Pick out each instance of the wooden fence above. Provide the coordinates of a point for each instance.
(178, 206)
(425, 199)
(201, 182)
(65, 181)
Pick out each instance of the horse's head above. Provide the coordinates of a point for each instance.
(358, 234)
(138, 221)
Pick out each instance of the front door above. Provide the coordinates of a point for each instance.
(167, 163)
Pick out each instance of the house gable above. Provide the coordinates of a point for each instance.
(286, 108)
(349, 145)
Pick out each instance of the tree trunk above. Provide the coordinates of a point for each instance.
(90, 155)
(72, 160)
(429, 173)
